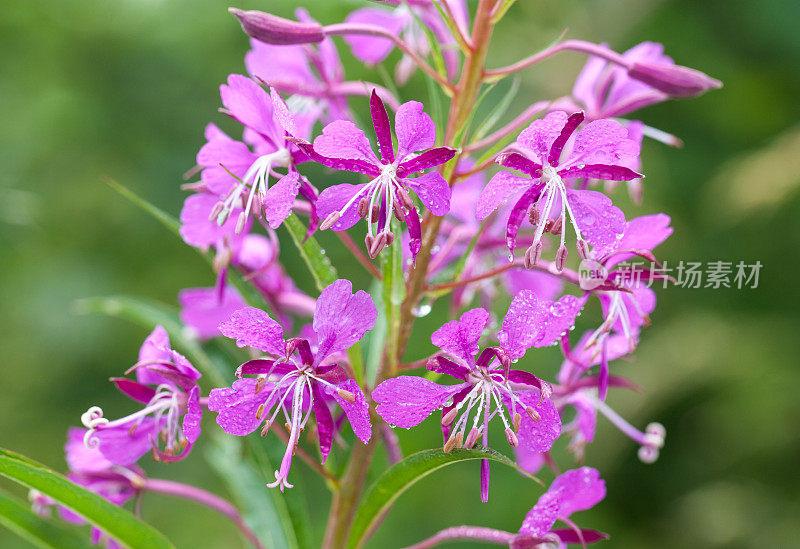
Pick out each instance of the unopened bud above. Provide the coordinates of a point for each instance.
(272, 29)
(561, 258)
(532, 413)
(674, 80)
(472, 438)
(347, 395)
(511, 437)
(533, 254)
(583, 248)
(517, 422)
(449, 417)
(330, 221)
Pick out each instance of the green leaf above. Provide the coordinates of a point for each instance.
(115, 521)
(148, 313)
(312, 253)
(402, 475)
(41, 532)
(264, 510)
(375, 338)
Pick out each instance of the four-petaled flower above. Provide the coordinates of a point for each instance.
(600, 150)
(166, 383)
(343, 146)
(489, 387)
(302, 375)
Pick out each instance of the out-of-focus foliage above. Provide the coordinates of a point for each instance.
(124, 88)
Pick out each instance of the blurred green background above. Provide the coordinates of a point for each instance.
(123, 88)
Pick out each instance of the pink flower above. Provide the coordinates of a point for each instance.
(297, 377)
(489, 386)
(599, 150)
(343, 146)
(166, 383)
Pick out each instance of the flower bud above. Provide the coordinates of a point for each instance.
(272, 29)
(674, 80)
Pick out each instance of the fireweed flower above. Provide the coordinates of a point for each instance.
(90, 469)
(599, 151)
(299, 378)
(626, 310)
(238, 173)
(343, 146)
(489, 386)
(406, 19)
(166, 383)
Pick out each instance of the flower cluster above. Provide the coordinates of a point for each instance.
(457, 204)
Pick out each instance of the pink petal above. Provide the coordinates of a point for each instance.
(133, 389)
(502, 186)
(279, 63)
(250, 104)
(433, 190)
(324, 421)
(537, 436)
(602, 142)
(252, 327)
(357, 412)
(428, 159)
(237, 405)
(598, 219)
(194, 414)
(196, 230)
(414, 128)
(407, 400)
(333, 199)
(342, 318)
(342, 139)
(580, 489)
(120, 447)
(538, 138)
(80, 458)
(542, 517)
(279, 199)
(203, 310)
(370, 49)
(460, 337)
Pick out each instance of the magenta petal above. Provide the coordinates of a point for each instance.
(580, 489)
(502, 186)
(485, 480)
(121, 447)
(601, 171)
(380, 120)
(571, 125)
(534, 322)
(371, 49)
(342, 318)
(194, 414)
(518, 212)
(203, 309)
(586, 89)
(237, 405)
(443, 365)
(641, 233)
(538, 138)
(542, 517)
(516, 161)
(433, 190)
(196, 229)
(343, 140)
(567, 535)
(544, 285)
(133, 389)
(333, 199)
(357, 412)
(285, 63)
(428, 159)
(250, 104)
(325, 426)
(252, 327)
(460, 337)
(414, 128)
(155, 348)
(414, 232)
(279, 199)
(407, 400)
(602, 142)
(282, 115)
(537, 436)
(80, 458)
(596, 216)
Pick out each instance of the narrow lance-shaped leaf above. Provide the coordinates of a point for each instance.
(402, 475)
(115, 521)
(394, 290)
(41, 532)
